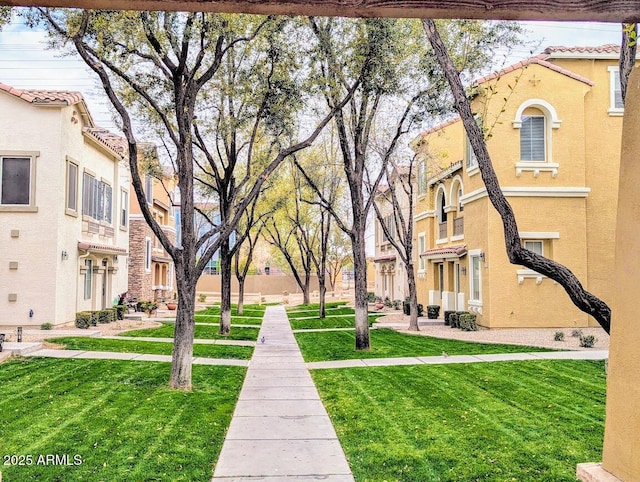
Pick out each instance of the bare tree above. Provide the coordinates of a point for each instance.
(158, 64)
(398, 193)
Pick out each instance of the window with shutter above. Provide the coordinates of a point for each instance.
(532, 138)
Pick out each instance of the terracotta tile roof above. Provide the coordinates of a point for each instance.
(448, 251)
(36, 96)
(386, 257)
(539, 60)
(113, 141)
(101, 248)
(599, 49)
(440, 126)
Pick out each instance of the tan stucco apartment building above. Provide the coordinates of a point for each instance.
(63, 198)
(553, 127)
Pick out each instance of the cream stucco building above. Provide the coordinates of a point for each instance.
(63, 209)
(553, 127)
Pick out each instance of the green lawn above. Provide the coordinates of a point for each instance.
(344, 321)
(253, 311)
(118, 417)
(385, 343)
(518, 421)
(202, 331)
(151, 347)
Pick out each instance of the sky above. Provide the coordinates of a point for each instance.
(25, 61)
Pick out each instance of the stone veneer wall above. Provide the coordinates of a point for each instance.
(140, 281)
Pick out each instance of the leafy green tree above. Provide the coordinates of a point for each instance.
(167, 70)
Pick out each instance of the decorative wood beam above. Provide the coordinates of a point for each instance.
(567, 10)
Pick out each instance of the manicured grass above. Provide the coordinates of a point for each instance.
(330, 305)
(119, 417)
(344, 321)
(202, 331)
(344, 310)
(340, 345)
(251, 315)
(151, 347)
(518, 421)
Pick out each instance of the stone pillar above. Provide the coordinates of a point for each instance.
(621, 455)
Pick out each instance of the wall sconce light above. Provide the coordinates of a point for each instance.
(464, 271)
(482, 256)
(64, 255)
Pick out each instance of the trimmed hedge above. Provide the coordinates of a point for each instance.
(83, 319)
(120, 311)
(447, 317)
(433, 311)
(467, 322)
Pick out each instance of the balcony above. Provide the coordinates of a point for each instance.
(458, 226)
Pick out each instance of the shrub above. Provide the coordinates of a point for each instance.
(576, 333)
(371, 296)
(447, 316)
(397, 304)
(587, 341)
(46, 326)
(467, 322)
(83, 319)
(202, 297)
(453, 318)
(106, 315)
(433, 311)
(387, 302)
(559, 336)
(420, 309)
(120, 310)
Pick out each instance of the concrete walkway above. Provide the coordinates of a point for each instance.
(280, 430)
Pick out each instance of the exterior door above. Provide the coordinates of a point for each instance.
(456, 283)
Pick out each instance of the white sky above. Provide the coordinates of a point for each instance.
(26, 63)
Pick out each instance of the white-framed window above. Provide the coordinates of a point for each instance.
(422, 246)
(470, 156)
(148, 188)
(88, 277)
(72, 188)
(616, 104)
(124, 208)
(97, 198)
(475, 278)
(147, 254)
(422, 177)
(17, 181)
(534, 245)
(533, 145)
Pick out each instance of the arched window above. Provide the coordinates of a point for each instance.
(536, 119)
(441, 202)
(456, 193)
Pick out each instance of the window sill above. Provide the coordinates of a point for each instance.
(537, 167)
(616, 112)
(475, 306)
(529, 273)
(459, 237)
(442, 241)
(472, 171)
(19, 209)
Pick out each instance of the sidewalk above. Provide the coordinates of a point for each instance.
(280, 430)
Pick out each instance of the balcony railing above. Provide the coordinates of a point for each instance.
(458, 226)
(442, 230)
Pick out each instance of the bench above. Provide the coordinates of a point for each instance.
(1, 340)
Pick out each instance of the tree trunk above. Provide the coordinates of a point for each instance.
(360, 288)
(225, 289)
(240, 294)
(413, 299)
(183, 342)
(322, 287)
